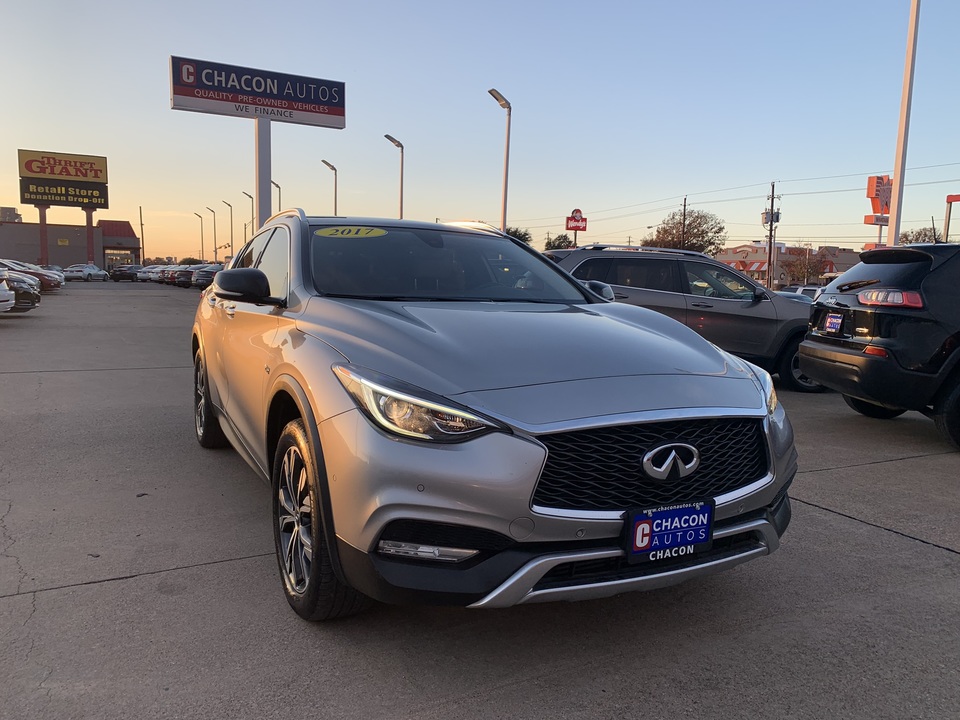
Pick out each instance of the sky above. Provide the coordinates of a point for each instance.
(621, 108)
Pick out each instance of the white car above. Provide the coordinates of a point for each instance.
(8, 298)
(85, 272)
(143, 275)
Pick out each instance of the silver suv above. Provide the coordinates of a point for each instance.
(725, 306)
(446, 417)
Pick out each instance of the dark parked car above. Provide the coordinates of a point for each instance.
(125, 272)
(27, 296)
(184, 276)
(446, 417)
(204, 276)
(886, 334)
(725, 306)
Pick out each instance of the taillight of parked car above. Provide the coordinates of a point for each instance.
(891, 298)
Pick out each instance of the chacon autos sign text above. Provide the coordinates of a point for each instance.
(219, 89)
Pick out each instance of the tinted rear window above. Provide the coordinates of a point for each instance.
(902, 275)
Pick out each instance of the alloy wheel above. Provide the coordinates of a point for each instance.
(295, 521)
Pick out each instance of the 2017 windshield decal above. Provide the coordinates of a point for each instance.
(350, 231)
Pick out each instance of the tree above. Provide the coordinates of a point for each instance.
(560, 242)
(921, 235)
(190, 261)
(699, 230)
(806, 265)
(520, 234)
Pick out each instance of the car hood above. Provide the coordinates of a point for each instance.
(532, 362)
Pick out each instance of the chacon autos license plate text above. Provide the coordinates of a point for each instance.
(669, 532)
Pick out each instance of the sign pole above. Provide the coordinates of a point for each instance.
(44, 250)
(89, 211)
(893, 234)
(263, 171)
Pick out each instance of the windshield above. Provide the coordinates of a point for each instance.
(384, 263)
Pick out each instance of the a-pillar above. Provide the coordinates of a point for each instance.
(44, 252)
(89, 212)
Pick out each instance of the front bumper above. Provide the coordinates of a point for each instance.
(542, 573)
(485, 486)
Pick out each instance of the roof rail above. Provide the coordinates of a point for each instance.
(639, 248)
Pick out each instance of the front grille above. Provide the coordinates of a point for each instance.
(601, 469)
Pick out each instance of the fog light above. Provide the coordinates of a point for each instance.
(424, 552)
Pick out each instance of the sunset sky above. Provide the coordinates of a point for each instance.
(619, 109)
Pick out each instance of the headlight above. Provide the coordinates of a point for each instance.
(409, 411)
(766, 382)
(761, 376)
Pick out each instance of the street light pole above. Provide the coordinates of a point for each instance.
(231, 225)
(399, 144)
(334, 185)
(201, 233)
(214, 233)
(252, 224)
(279, 196)
(505, 104)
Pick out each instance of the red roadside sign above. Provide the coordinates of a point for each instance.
(576, 221)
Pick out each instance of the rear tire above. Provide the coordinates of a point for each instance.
(309, 581)
(872, 410)
(789, 370)
(946, 413)
(205, 423)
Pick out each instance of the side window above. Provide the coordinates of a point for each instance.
(713, 281)
(647, 273)
(275, 262)
(593, 269)
(248, 256)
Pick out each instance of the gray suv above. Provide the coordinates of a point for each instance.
(444, 416)
(725, 306)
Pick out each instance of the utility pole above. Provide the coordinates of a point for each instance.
(143, 253)
(770, 247)
(683, 225)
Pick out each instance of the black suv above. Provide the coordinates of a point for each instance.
(886, 334)
(724, 306)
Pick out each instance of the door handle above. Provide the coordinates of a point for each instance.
(620, 296)
(701, 305)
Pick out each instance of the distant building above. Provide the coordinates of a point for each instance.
(114, 242)
(751, 259)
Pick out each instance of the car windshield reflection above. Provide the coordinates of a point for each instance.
(404, 264)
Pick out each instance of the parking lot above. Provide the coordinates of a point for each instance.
(137, 575)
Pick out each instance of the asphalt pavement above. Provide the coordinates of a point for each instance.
(137, 576)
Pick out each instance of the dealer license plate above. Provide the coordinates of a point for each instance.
(670, 532)
(833, 322)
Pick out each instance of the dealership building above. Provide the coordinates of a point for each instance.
(114, 242)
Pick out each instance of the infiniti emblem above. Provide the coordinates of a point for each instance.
(671, 462)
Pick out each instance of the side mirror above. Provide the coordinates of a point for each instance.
(247, 285)
(759, 293)
(599, 288)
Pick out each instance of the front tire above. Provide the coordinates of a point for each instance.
(790, 375)
(946, 413)
(309, 581)
(206, 425)
(872, 410)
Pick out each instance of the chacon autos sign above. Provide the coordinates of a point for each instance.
(220, 89)
(65, 179)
